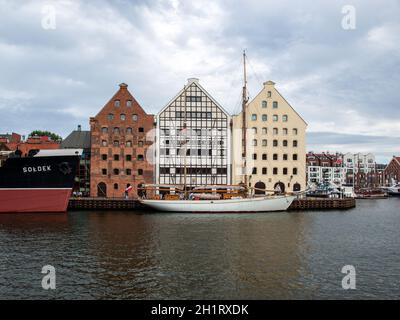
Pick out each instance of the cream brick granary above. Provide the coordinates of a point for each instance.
(193, 135)
(275, 144)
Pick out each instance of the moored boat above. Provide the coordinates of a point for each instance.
(207, 199)
(42, 183)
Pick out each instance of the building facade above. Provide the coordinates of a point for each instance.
(193, 142)
(29, 146)
(275, 144)
(121, 135)
(325, 168)
(80, 139)
(392, 172)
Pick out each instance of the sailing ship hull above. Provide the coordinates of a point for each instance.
(264, 204)
(34, 200)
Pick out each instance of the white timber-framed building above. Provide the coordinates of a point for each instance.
(193, 140)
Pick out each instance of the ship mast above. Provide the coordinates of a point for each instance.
(244, 125)
(185, 149)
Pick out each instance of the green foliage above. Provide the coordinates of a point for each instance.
(51, 135)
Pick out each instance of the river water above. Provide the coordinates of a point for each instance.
(126, 255)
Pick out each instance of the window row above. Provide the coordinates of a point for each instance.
(275, 171)
(275, 131)
(122, 116)
(264, 103)
(117, 130)
(117, 103)
(116, 143)
(193, 170)
(275, 143)
(116, 157)
(264, 117)
(116, 171)
(275, 156)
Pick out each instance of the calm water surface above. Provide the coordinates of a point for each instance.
(296, 255)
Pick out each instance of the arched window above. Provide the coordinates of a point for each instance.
(279, 187)
(259, 187)
(254, 129)
(115, 186)
(122, 116)
(102, 190)
(275, 117)
(275, 104)
(129, 103)
(264, 117)
(129, 143)
(264, 170)
(275, 131)
(110, 116)
(117, 103)
(116, 130)
(296, 187)
(129, 130)
(253, 117)
(264, 156)
(104, 130)
(264, 130)
(254, 142)
(134, 117)
(116, 171)
(284, 118)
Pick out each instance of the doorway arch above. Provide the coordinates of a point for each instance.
(296, 187)
(102, 190)
(281, 187)
(259, 185)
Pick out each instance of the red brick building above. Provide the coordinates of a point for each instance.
(324, 159)
(392, 171)
(119, 147)
(15, 141)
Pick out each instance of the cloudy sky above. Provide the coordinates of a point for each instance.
(58, 70)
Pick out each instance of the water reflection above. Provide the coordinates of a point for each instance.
(185, 256)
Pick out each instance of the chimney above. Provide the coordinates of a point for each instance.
(123, 85)
(269, 83)
(195, 80)
(79, 127)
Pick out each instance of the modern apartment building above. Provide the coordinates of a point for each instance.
(120, 139)
(193, 142)
(275, 143)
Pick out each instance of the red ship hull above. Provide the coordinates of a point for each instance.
(20, 200)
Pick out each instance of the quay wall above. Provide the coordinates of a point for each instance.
(135, 205)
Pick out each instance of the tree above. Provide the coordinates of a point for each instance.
(51, 135)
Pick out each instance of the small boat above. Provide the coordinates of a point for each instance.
(393, 190)
(212, 203)
(371, 193)
(323, 191)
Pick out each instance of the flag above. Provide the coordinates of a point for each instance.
(128, 189)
